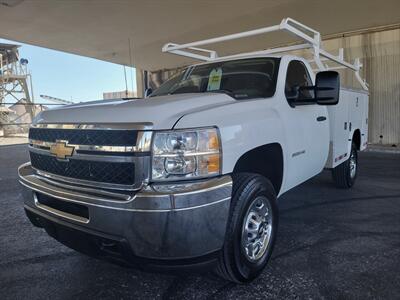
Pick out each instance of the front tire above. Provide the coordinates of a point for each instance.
(345, 174)
(251, 230)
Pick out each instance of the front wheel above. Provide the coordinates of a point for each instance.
(345, 174)
(251, 230)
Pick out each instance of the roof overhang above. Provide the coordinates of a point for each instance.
(133, 32)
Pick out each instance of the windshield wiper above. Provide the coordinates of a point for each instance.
(182, 91)
(223, 91)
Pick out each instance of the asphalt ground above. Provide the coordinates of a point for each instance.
(332, 244)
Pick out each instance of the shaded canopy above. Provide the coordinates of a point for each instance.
(133, 32)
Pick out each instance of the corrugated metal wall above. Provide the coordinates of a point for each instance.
(380, 54)
(379, 51)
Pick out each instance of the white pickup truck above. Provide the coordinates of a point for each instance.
(190, 175)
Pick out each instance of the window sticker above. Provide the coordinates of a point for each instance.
(214, 80)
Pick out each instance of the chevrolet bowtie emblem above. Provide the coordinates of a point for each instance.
(61, 149)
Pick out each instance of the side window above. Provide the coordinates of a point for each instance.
(169, 84)
(297, 76)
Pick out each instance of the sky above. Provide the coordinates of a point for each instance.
(72, 77)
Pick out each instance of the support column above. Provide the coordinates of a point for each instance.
(140, 83)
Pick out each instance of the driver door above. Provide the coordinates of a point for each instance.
(308, 136)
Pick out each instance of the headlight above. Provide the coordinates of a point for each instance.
(186, 154)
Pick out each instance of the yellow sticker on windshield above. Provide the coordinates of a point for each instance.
(214, 80)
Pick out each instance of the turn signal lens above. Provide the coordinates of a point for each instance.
(209, 164)
(213, 141)
(213, 163)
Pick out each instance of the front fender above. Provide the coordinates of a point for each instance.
(243, 126)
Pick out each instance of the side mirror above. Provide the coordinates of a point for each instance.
(327, 86)
(293, 93)
(148, 92)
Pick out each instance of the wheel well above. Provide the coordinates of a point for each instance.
(266, 160)
(357, 138)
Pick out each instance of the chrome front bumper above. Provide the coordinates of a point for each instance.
(168, 222)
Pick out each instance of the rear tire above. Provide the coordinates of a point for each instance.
(251, 229)
(345, 174)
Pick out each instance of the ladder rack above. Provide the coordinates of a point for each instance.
(310, 37)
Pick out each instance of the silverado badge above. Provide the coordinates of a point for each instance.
(61, 149)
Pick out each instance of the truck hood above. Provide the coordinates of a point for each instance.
(162, 111)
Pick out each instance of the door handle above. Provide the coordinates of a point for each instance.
(321, 118)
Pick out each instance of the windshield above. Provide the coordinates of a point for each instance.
(241, 79)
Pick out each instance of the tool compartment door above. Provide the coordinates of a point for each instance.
(339, 130)
(358, 115)
(364, 126)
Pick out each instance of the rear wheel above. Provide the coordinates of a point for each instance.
(251, 230)
(345, 174)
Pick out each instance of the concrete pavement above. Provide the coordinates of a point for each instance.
(331, 244)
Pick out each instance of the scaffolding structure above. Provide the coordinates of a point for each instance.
(16, 99)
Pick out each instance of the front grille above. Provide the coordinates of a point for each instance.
(100, 171)
(115, 137)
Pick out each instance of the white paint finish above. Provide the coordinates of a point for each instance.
(243, 124)
(365, 122)
(351, 109)
(163, 111)
(315, 137)
(339, 132)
